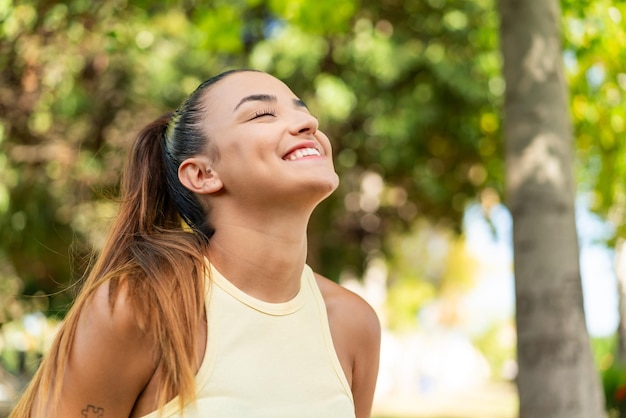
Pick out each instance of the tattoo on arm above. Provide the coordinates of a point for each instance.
(93, 412)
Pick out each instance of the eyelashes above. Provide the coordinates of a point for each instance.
(267, 112)
(263, 112)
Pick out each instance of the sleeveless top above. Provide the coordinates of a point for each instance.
(267, 360)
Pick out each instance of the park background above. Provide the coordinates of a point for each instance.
(412, 95)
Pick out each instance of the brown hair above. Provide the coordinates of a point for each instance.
(149, 249)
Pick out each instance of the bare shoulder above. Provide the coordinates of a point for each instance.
(109, 320)
(113, 314)
(348, 308)
(110, 309)
(111, 358)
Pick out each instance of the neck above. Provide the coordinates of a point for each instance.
(262, 257)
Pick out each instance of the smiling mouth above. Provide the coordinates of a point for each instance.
(301, 153)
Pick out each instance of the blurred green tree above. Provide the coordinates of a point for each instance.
(409, 103)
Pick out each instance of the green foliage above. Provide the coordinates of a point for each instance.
(320, 18)
(408, 91)
(595, 52)
(406, 296)
(427, 262)
(404, 96)
(613, 376)
(498, 345)
(78, 79)
(24, 341)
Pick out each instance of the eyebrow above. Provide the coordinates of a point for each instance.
(267, 98)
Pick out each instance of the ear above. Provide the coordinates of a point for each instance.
(196, 174)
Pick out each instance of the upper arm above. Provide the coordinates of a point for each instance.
(356, 333)
(366, 345)
(110, 360)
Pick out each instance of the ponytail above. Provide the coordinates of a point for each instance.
(163, 267)
(144, 186)
(161, 263)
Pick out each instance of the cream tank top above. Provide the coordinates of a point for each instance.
(267, 360)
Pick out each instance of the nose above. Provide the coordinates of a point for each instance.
(303, 123)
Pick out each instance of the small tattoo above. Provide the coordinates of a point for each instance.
(93, 412)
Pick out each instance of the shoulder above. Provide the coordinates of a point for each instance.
(107, 327)
(110, 308)
(109, 322)
(110, 358)
(348, 312)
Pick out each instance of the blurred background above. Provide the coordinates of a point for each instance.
(410, 93)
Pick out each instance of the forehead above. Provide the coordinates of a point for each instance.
(228, 92)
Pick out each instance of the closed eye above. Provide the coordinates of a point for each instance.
(264, 112)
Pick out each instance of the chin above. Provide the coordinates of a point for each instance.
(328, 185)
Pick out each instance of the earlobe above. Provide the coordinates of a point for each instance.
(197, 175)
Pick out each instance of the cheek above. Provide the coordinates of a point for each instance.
(243, 149)
(324, 141)
(240, 160)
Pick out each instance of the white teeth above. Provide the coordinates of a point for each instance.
(302, 152)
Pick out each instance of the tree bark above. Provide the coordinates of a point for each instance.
(557, 377)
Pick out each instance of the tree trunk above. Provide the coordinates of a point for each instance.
(557, 377)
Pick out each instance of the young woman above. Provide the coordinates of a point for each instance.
(216, 316)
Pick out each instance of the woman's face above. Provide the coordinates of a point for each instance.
(268, 143)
